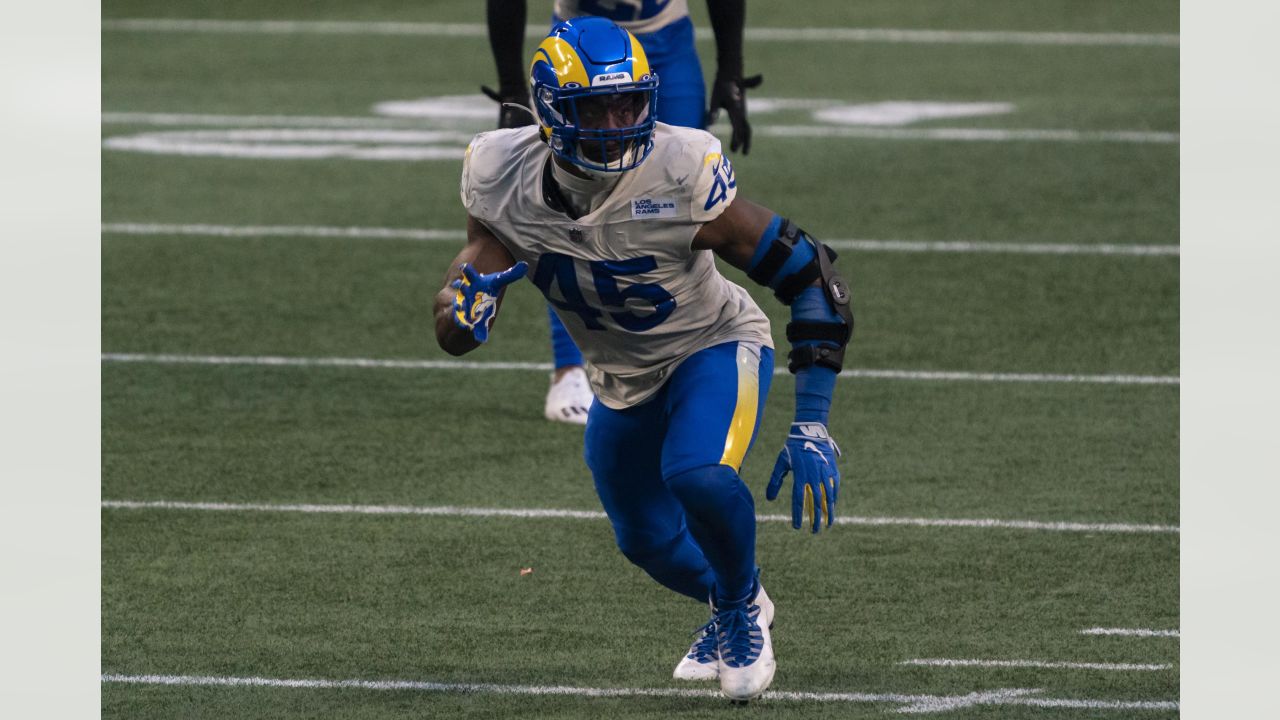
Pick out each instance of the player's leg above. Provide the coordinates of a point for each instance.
(714, 402)
(682, 94)
(569, 398)
(623, 451)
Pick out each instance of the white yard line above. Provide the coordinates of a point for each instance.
(941, 375)
(276, 361)
(441, 510)
(951, 37)
(1046, 664)
(372, 363)
(909, 703)
(318, 121)
(758, 34)
(969, 134)
(1096, 704)
(1130, 632)
(780, 131)
(1016, 248)
(541, 513)
(378, 233)
(302, 231)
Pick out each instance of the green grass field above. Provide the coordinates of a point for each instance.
(1057, 399)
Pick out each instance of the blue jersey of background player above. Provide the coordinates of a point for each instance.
(665, 30)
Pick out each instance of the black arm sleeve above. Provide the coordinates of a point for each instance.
(727, 20)
(506, 38)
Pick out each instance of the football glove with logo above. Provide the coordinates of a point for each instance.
(810, 453)
(476, 300)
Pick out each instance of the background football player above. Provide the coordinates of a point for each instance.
(666, 32)
(615, 218)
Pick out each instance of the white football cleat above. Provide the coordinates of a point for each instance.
(746, 652)
(766, 606)
(702, 662)
(569, 399)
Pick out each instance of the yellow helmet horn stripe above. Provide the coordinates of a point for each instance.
(640, 61)
(564, 60)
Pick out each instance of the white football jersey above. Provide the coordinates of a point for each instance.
(638, 16)
(624, 280)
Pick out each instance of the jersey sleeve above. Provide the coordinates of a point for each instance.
(478, 173)
(467, 187)
(715, 187)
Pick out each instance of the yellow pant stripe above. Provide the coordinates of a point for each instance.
(743, 423)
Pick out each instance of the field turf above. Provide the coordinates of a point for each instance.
(1056, 398)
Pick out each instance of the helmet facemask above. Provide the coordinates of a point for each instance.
(611, 132)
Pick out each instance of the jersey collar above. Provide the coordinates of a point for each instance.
(551, 194)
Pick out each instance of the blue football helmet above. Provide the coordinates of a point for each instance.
(594, 95)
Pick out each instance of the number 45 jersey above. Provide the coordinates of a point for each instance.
(624, 280)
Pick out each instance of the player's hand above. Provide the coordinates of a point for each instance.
(810, 454)
(509, 116)
(729, 94)
(476, 300)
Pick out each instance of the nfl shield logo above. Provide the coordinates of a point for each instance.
(575, 234)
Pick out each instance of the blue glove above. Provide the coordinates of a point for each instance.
(476, 301)
(811, 454)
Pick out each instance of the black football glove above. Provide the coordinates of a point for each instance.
(513, 107)
(730, 94)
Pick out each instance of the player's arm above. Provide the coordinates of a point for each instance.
(735, 233)
(473, 288)
(728, 91)
(506, 39)
(775, 252)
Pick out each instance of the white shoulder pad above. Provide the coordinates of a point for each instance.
(477, 170)
(715, 186)
(693, 166)
(488, 167)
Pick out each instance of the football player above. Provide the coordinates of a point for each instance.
(665, 30)
(616, 217)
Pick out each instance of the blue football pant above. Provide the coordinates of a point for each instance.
(666, 472)
(681, 91)
(681, 101)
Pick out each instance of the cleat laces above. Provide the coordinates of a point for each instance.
(738, 636)
(704, 649)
